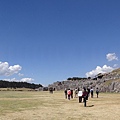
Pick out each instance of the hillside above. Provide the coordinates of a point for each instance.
(108, 82)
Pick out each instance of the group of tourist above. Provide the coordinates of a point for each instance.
(68, 93)
(82, 94)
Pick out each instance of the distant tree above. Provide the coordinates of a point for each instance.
(8, 84)
(69, 79)
(76, 78)
(89, 77)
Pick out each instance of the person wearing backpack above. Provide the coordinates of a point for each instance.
(69, 93)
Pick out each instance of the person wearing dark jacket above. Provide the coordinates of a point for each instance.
(88, 90)
(65, 91)
(71, 93)
(97, 92)
(85, 94)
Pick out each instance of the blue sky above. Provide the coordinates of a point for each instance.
(43, 41)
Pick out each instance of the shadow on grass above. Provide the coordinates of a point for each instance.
(90, 106)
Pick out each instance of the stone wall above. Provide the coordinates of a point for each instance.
(108, 83)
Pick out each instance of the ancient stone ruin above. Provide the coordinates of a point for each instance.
(108, 82)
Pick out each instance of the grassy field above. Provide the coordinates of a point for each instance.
(35, 105)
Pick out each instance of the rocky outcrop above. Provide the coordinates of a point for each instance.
(109, 82)
(113, 86)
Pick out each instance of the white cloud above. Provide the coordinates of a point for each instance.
(21, 80)
(111, 56)
(98, 70)
(27, 80)
(19, 74)
(115, 65)
(7, 70)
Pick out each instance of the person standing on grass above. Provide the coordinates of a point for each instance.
(80, 96)
(88, 89)
(91, 91)
(51, 90)
(76, 92)
(65, 91)
(69, 93)
(97, 91)
(84, 95)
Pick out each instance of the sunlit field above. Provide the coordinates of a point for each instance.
(36, 105)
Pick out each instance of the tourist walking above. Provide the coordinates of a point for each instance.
(85, 94)
(88, 90)
(76, 92)
(80, 96)
(91, 91)
(65, 91)
(69, 93)
(97, 91)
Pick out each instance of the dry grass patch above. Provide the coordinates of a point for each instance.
(16, 105)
